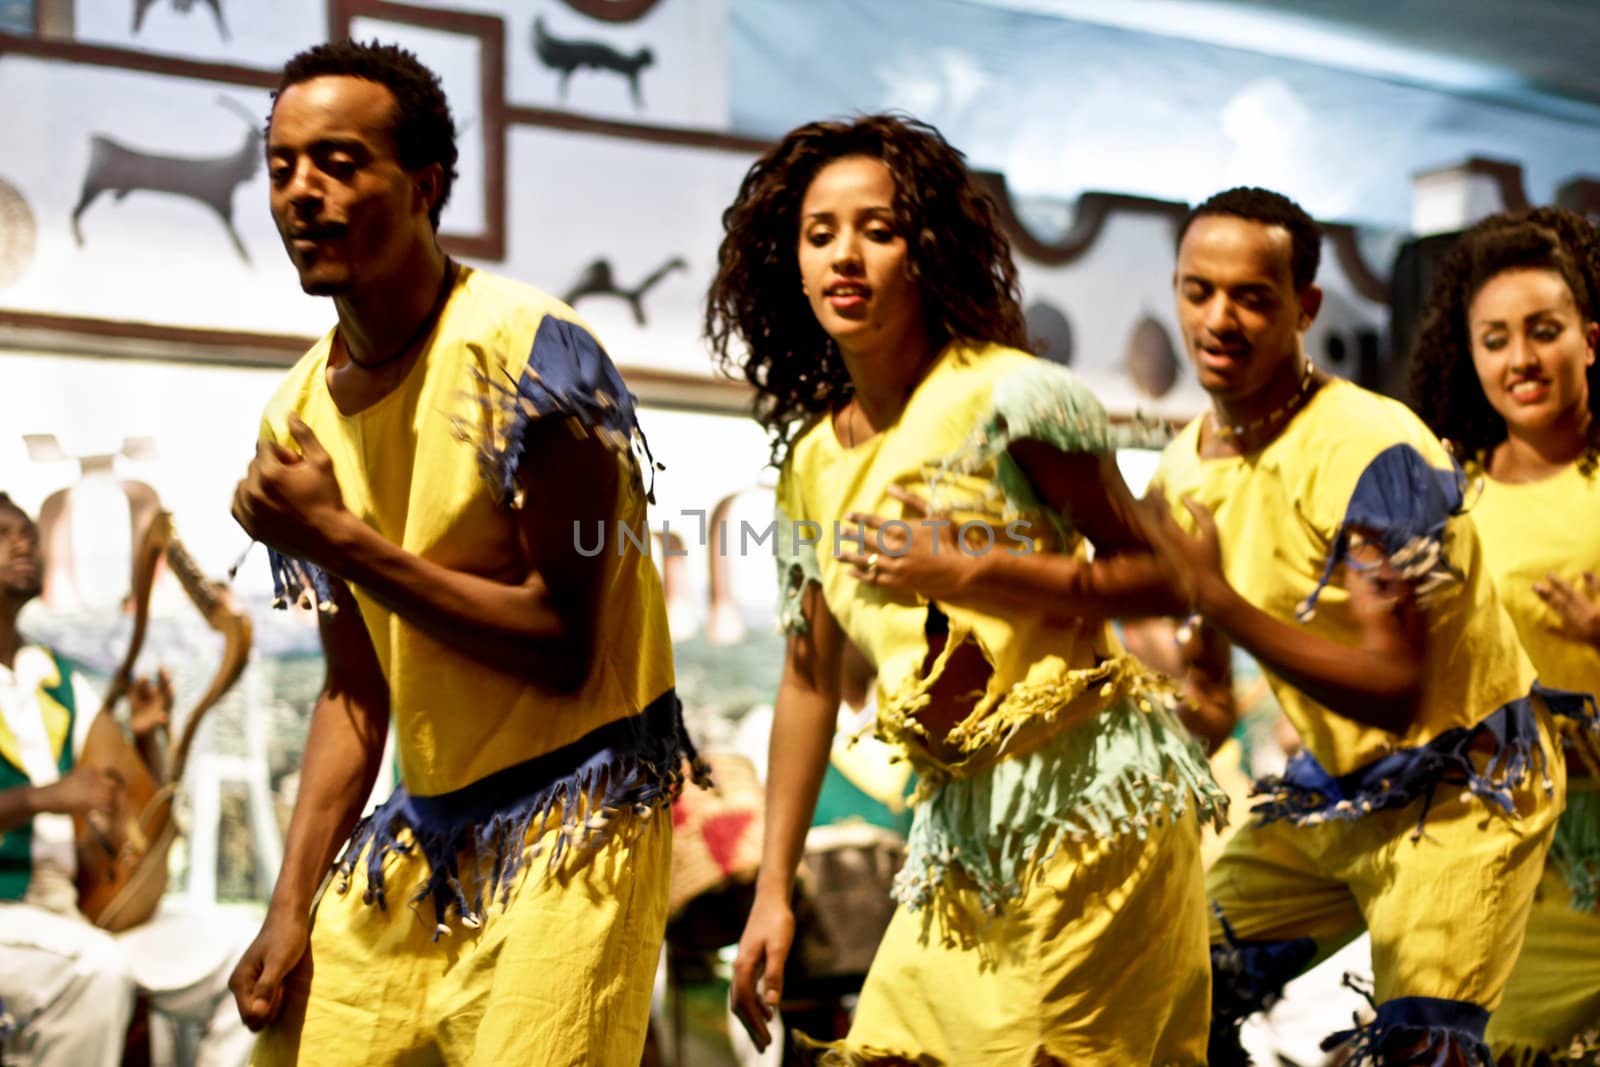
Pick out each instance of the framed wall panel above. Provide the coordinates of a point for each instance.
(466, 50)
(245, 32)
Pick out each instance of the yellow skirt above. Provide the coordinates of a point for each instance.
(1551, 1009)
(1102, 960)
(562, 975)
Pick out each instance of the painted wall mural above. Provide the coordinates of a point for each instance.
(660, 62)
(568, 57)
(18, 234)
(1050, 330)
(589, 168)
(182, 7)
(596, 280)
(238, 33)
(209, 180)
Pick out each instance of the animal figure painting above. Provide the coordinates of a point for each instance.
(566, 57)
(120, 170)
(142, 8)
(596, 280)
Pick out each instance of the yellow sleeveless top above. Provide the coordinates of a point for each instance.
(1038, 668)
(1072, 737)
(1530, 530)
(432, 468)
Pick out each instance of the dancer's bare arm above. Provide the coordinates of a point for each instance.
(1123, 580)
(1377, 682)
(343, 750)
(537, 623)
(803, 723)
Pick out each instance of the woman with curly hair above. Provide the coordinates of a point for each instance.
(1504, 369)
(1050, 907)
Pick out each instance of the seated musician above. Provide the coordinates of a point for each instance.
(68, 986)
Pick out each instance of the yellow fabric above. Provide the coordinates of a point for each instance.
(1097, 952)
(57, 719)
(10, 751)
(1533, 529)
(409, 467)
(561, 978)
(1553, 996)
(1446, 909)
(1227, 767)
(1278, 511)
(1038, 667)
(1530, 530)
(1102, 964)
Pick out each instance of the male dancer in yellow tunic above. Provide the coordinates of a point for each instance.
(424, 476)
(1330, 542)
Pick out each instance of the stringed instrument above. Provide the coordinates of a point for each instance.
(122, 859)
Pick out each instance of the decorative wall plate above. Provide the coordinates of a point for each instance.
(19, 234)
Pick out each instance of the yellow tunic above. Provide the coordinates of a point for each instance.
(524, 813)
(1433, 840)
(1280, 511)
(1530, 530)
(406, 471)
(1062, 830)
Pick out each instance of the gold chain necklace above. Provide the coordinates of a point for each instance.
(1237, 431)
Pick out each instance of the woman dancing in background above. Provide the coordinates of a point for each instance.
(1504, 369)
(1050, 909)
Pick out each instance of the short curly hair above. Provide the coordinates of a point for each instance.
(424, 133)
(1444, 382)
(959, 257)
(1255, 204)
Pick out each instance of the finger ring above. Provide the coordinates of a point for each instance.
(872, 564)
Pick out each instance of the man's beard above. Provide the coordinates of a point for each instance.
(21, 590)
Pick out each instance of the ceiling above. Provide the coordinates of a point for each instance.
(1535, 54)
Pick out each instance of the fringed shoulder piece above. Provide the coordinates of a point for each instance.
(798, 567)
(598, 787)
(1404, 503)
(1045, 402)
(567, 374)
(1307, 795)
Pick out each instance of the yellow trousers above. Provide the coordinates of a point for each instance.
(1446, 909)
(562, 975)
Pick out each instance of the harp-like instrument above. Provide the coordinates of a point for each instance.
(122, 860)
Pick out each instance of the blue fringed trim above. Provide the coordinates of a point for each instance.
(1416, 1032)
(568, 374)
(1406, 503)
(626, 768)
(1581, 708)
(1307, 794)
(1247, 977)
(1581, 1048)
(297, 582)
